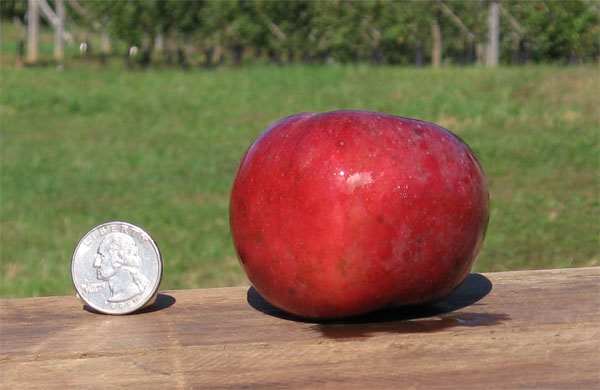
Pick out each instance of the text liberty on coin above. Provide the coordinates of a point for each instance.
(116, 268)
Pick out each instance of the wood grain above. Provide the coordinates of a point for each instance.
(528, 329)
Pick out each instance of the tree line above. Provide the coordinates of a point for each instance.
(375, 31)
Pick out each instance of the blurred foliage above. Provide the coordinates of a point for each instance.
(560, 29)
(377, 31)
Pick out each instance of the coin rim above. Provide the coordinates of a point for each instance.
(144, 301)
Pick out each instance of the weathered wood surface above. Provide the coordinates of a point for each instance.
(509, 330)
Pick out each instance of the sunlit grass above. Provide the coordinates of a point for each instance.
(160, 148)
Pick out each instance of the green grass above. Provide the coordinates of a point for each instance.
(160, 149)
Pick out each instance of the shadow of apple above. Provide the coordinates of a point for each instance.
(423, 318)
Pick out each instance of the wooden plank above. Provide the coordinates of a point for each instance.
(528, 329)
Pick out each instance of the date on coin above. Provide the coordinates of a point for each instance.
(117, 268)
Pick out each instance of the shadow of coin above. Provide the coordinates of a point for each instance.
(162, 302)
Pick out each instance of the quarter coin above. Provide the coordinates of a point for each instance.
(117, 268)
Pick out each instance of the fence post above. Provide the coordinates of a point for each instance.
(436, 55)
(494, 34)
(33, 31)
(59, 41)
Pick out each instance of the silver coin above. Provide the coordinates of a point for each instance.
(117, 268)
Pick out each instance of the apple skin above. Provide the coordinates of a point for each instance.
(338, 214)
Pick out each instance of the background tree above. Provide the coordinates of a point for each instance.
(559, 30)
(286, 30)
(373, 31)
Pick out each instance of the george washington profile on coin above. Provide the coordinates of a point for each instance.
(118, 262)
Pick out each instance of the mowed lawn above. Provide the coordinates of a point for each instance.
(160, 148)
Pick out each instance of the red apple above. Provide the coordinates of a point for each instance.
(346, 212)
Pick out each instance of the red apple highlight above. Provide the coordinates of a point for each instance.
(346, 212)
